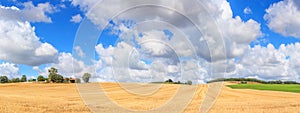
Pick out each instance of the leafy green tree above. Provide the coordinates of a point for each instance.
(77, 80)
(52, 72)
(67, 80)
(243, 82)
(32, 80)
(3, 79)
(40, 78)
(54, 76)
(86, 77)
(14, 80)
(58, 78)
(189, 82)
(72, 80)
(169, 81)
(24, 78)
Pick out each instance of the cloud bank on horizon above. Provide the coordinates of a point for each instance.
(154, 43)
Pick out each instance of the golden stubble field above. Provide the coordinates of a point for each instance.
(33, 97)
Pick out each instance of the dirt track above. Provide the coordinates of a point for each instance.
(65, 98)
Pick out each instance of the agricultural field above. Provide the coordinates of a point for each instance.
(33, 97)
(272, 87)
(39, 98)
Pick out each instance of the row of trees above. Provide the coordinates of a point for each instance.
(4, 79)
(170, 81)
(53, 77)
(245, 80)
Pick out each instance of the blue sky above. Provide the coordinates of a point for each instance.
(258, 8)
(61, 32)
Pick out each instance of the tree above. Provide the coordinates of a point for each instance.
(52, 72)
(24, 78)
(66, 80)
(72, 80)
(32, 80)
(3, 79)
(14, 80)
(40, 78)
(243, 82)
(58, 78)
(86, 77)
(77, 80)
(169, 81)
(189, 82)
(54, 77)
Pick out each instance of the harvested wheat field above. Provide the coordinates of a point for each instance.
(37, 98)
(113, 97)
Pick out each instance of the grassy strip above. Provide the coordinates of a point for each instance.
(272, 87)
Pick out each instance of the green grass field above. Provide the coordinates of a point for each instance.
(272, 87)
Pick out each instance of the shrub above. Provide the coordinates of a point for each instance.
(243, 82)
(66, 80)
(54, 77)
(77, 80)
(189, 82)
(3, 79)
(14, 80)
(86, 77)
(40, 78)
(24, 78)
(169, 81)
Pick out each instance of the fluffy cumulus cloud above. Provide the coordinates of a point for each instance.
(223, 38)
(30, 12)
(247, 10)
(79, 51)
(143, 62)
(19, 44)
(236, 33)
(68, 66)
(18, 41)
(269, 63)
(76, 18)
(282, 17)
(10, 70)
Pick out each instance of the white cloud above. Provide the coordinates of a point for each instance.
(19, 44)
(29, 13)
(247, 10)
(84, 4)
(105, 54)
(79, 51)
(18, 41)
(45, 49)
(10, 70)
(283, 18)
(266, 63)
(164, 52)
(76, 18)
(269, 63)
(236, 33)
(68, 66)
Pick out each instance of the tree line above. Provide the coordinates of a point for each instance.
(53, 77)
(170, 81)
(245, 80)
(4, 79)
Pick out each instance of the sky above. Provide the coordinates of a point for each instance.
(152, 40)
